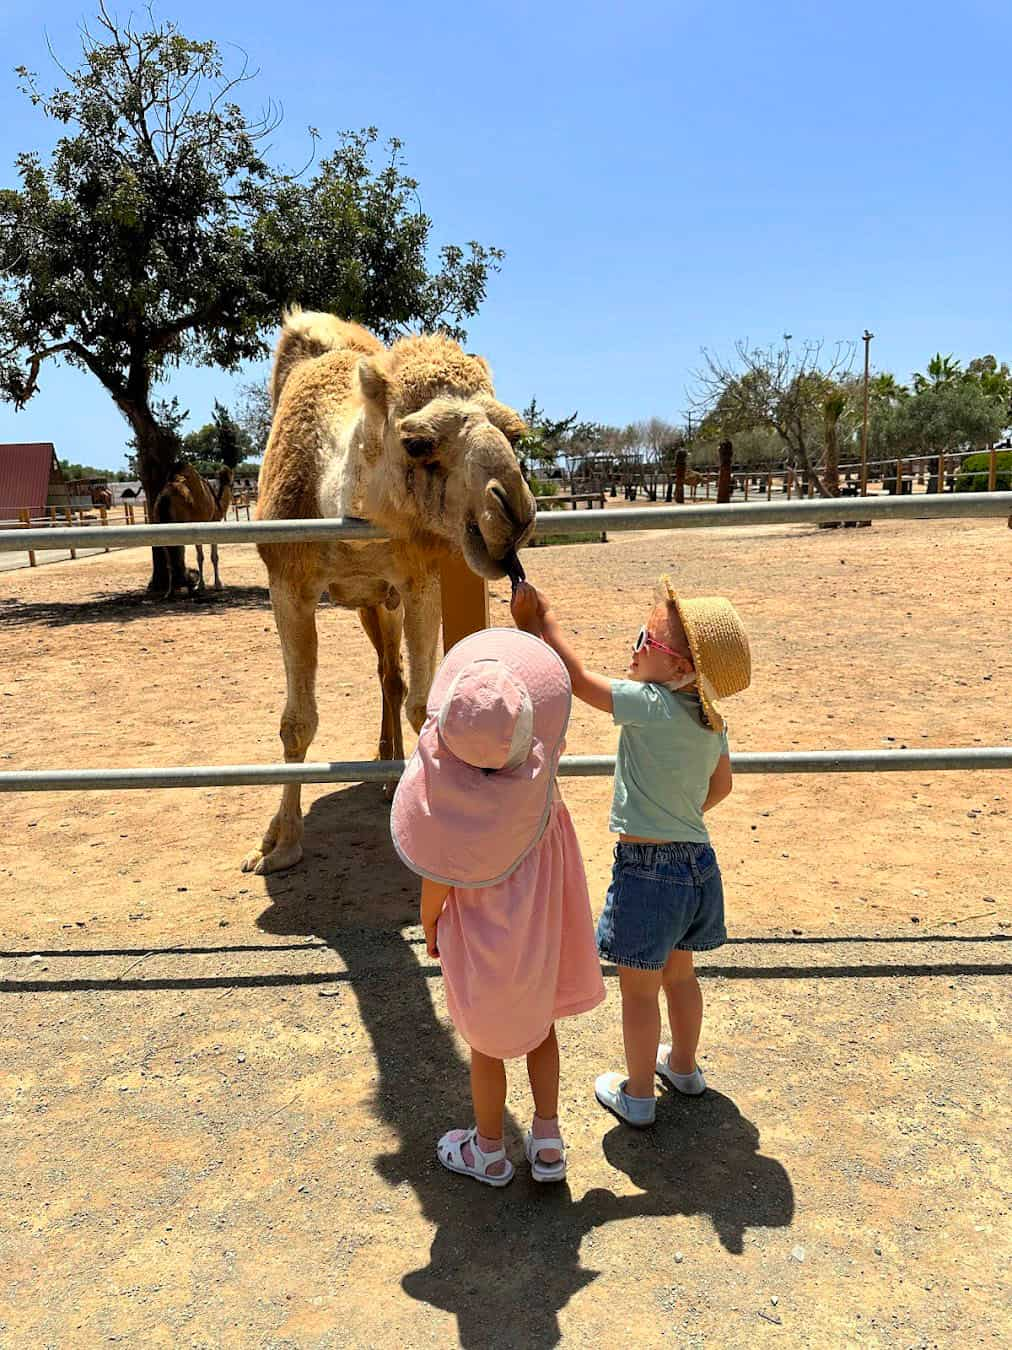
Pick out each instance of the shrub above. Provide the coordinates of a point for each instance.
(975, 469)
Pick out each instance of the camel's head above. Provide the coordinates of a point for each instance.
(444, 447)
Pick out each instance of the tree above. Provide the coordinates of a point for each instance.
(254, 415)
(781, 388)
(538, 450)
(220, 441)
(946, 417)
(942, 370)
(157, 232)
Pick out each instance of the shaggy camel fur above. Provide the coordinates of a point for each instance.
(413, 439)
(188, 498)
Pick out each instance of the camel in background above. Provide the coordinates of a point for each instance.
(413, 439)
(188, 498)
(101, 496)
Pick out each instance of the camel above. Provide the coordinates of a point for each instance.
(189, 498)
(411, 438)
(101, 496)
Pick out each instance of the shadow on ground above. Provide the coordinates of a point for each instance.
(119, 607)
(505, 1263)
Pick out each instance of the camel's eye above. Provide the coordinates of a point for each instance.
(419, 447)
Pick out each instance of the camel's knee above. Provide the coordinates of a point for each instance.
(297, 732)
(393, 687)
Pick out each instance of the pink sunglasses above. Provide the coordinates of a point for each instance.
(644, 639)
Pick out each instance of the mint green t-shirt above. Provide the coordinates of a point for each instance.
(666, 757)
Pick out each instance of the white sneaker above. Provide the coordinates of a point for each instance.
(691, 1084)
(610, 1091)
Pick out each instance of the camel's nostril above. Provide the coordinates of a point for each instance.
(499, 493)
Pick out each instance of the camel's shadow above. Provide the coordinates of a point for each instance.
(504, 1262)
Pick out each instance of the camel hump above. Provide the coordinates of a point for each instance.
(308, 333)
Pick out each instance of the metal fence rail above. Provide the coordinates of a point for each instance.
(384, 771)
(926, 506)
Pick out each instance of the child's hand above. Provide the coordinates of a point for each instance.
(528, 608)
(430, 939)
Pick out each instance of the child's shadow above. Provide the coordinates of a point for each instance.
(505, 1262)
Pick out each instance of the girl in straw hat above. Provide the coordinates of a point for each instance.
(504, 903)
(666, 899)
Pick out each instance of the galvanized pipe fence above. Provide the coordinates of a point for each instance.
(924, 507)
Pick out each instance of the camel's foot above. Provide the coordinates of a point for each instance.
(414, 711)
(218, 584)
(276, 860)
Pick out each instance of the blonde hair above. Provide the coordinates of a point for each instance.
(664, 594)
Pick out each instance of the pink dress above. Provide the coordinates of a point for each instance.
(520, 954)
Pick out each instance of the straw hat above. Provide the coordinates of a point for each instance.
(719, 646)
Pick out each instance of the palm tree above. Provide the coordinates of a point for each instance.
(832, 410)
(942, 370)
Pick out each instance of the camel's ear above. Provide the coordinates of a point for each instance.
(372, 380)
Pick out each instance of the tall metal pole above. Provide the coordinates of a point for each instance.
(864, 425)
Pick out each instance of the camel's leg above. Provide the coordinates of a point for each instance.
(422, 615)
(295, 616)
(214, 564)
(384, 627)
(200, 567)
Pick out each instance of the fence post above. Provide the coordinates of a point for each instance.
(726, 451)
(788, 480)
(464, 599)
(746, 481)
(103, 516)
(992, 469)
(680, 458)
(899, 478)
(769, 487)
(941, 472)
(70, 521)
(25, 517)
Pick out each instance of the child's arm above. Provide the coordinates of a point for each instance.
(720, 783)
(532, 614)
(434, 895)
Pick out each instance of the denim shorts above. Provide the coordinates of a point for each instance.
(662, 898)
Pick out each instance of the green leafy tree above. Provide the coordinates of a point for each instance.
(158, 232)
(540, 447)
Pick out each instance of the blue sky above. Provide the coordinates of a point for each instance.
(663, 177)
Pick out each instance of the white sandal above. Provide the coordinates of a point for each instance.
(450, 1153)
(545, 1171)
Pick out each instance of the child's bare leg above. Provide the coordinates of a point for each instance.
(488, 1092)
(543, 1071)
(685, 1010)
(641, 1027)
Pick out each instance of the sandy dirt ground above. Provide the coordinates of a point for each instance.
(220, 1093)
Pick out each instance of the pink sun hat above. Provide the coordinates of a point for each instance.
(475, 796)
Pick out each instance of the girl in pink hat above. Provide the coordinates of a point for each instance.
(477, 814)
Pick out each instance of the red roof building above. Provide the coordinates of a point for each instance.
(30, 477)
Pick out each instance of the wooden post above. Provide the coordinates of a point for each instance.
(788, 481)
(769, 487)
(70, 521)
(899, 478)
(726, 451)
(464, 598)
(680, 458)
(941, 472)
(707, 487)
(26, 520)
(747, 477)
(992, 469)
(103, 515)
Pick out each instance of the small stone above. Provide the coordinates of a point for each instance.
(774, 1300)
(241, 1059)
(679, 1258)
(915, 918)
(797, 1253)
(878, 1251)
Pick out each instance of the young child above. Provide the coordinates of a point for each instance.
(666, 900)
(504, 902)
